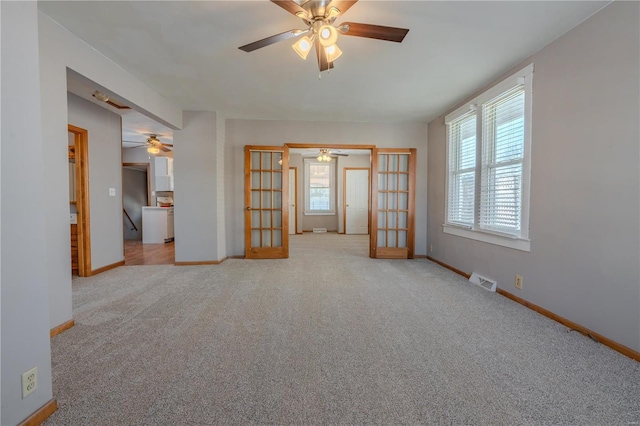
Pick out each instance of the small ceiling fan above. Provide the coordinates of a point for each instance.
(153, 144)
(318, 17)
(326, 155)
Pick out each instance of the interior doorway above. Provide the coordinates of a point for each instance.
(79, 201)
(136, 193)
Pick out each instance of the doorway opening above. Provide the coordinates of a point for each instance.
(78, 151)
(332, 199)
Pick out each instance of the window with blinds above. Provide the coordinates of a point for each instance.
(489, 163)
(462, 170)
(319, 189)
(502, 158)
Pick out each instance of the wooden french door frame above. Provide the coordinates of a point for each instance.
(81, 142)
(383, 173)
(266, 187)
(344, 197)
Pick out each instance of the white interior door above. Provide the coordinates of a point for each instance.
(357, 201)
(292, 201)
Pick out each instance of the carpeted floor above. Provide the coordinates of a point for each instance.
(328, 336)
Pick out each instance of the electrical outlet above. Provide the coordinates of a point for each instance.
(430, 248)
(29, 382)
(518, 282)
(112, 192)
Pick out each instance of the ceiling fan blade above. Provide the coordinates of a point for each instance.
(373, 31)
(342, 5)
(271, 40)
(168, 144)
(290, 6)
(323, 65)
(163, 148)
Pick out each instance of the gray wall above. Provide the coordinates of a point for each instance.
(105, 171)
(25, 312)
(257, 132)
(197, 221)
(134, 197)
(60, 51)
(585, 182)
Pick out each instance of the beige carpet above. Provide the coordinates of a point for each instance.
(328, 336)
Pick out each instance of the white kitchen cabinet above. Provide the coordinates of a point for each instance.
(164, 173)
(164, 166)
(157, 225)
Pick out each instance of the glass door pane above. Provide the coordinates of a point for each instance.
(395, 182)
(265, 190)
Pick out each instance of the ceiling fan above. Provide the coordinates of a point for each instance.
(153, 144)
(318, 17)
(326, 155)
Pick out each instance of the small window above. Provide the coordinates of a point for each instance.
(488, 165)
(319, 187)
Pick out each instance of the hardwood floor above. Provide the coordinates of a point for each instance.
(136, 253)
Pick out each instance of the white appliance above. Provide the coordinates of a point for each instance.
(157, 225)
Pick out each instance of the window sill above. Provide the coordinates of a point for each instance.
(488, 237)
(319, 213)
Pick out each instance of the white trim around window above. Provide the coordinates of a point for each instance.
(500, 189)
(324, 203)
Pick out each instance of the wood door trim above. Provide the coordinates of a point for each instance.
(328, 146)
(148, 167)
(81, 143)
(281, 252)
(344, 196)
(411, 200)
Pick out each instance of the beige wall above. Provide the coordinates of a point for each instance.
(585, 182)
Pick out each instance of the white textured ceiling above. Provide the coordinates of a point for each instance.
(188, 52)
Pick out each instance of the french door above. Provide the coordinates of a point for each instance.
(393, 203)
(266, 200)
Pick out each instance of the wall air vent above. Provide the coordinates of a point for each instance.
(319, 230)
(483, 282)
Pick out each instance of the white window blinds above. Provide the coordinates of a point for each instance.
(489, 164)
(462, 170)
(502, 162)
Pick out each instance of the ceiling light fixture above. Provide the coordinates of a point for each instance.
(153, 150)
(333, 52)
(328, 35)
(303, 47)
(324, 156)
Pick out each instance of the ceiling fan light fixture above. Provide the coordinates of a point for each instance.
(302, 47)
(302, 15)
(328, 35)
(153, 150)
(333, 12)
(333, 52)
